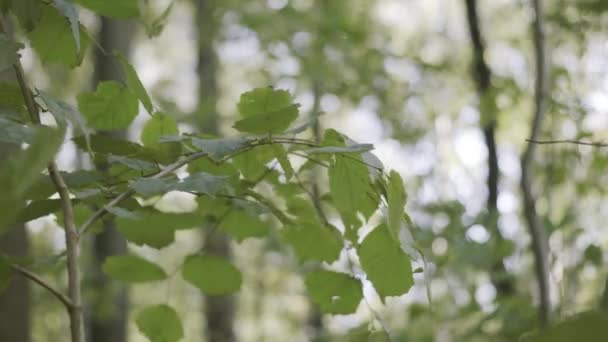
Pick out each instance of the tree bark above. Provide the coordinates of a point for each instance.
(108, 321)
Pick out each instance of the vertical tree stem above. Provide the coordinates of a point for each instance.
(534, 222)
(71, 233)
(72, 240)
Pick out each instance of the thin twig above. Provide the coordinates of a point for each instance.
(35, 278)
(267, 203)
(567, 141)
(167, 170)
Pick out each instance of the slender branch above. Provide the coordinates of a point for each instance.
(278, 213)
(35, 278)
(567, 141)
(123, 196)
(482, 75)
(536, 228)
(72, 239)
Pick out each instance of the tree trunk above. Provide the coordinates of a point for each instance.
(15, 300)
(219, 310)
(108, 321)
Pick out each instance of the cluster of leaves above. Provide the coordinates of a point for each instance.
(224, 173)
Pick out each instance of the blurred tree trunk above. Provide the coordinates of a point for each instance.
(15, 300)
(219, 310)
(108, 321)
(483, 77)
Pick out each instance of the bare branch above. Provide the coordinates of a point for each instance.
(35, 278)
(574, 142)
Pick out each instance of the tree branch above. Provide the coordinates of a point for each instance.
(574, 142)
(121, 197)
(536, 228)
(35, 278)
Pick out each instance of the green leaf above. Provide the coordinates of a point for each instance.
(351, 190)
(21, 172)
(202, 183)
(64, 112)
(241, 225)
(153, 186)
(313, 241)
(589, 327)
(11, 102)
(396, 198)
(155, 229)
(266, 110)
(69, 11)
(213, 275)
(134, 83)
(9, 54)
(132, 269)
(160, 323)
(137, 232)
(36, 209)
(28, 12)
(159, 125)
(219, 148)
(15, 133)
(335, 293)
(132, 163)
(271, 122)
(110, 107)
(6, 273)
(263, 100)
(119, 9)
(385, 264)
(252, 163)
(53, 41)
